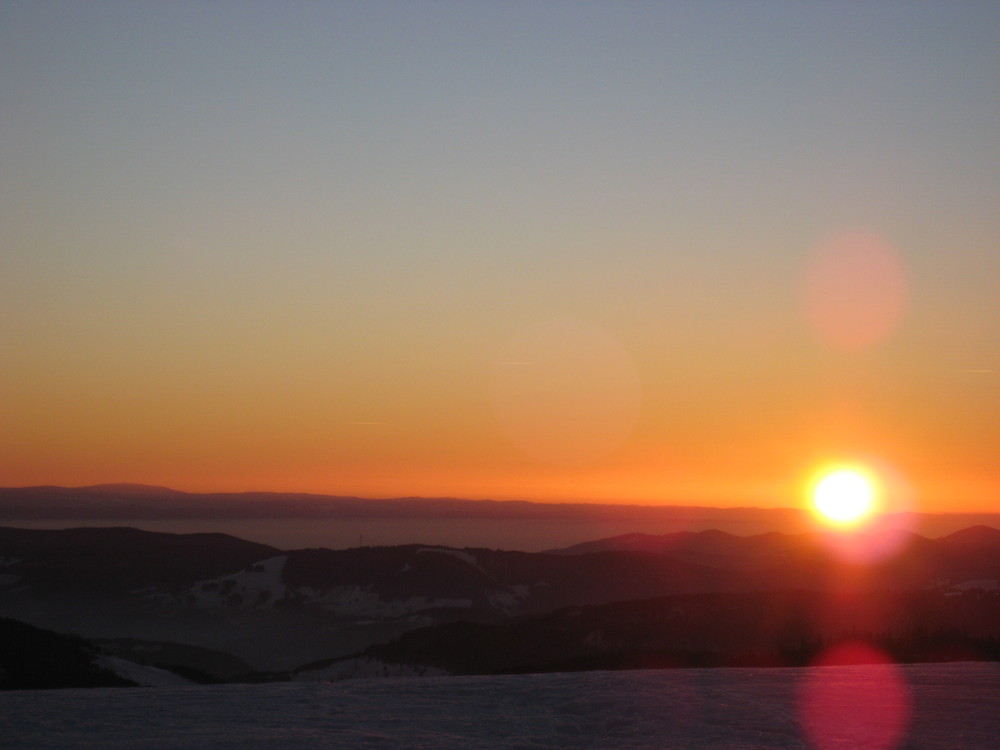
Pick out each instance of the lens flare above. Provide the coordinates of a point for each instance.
(841, 705)
(854, 291)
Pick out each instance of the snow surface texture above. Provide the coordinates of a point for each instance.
(952, 706)
(348, 669)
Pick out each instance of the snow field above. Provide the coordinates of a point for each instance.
(954, 708)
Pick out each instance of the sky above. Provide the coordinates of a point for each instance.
(670, 252)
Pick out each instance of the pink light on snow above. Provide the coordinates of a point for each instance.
(842, 707)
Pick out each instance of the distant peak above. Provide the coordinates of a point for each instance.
(127, 488)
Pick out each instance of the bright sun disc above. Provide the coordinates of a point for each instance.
(844, 496)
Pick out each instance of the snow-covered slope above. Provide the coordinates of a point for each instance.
(260, 585)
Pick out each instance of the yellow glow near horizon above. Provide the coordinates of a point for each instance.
(844, 495)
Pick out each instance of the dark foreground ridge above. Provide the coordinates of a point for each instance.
(772, 629)
(32, 658)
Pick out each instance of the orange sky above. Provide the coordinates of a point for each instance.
(450, 251)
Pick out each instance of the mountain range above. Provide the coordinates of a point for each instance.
(217, 607)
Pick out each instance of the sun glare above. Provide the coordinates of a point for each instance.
(844, 496)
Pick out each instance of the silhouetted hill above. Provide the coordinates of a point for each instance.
(117, 559)
(972, 553)
(712, 547)
(32, 658)
(984, 537)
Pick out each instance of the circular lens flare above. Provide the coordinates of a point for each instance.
(844, 495)
(843, 705)
(855, 291)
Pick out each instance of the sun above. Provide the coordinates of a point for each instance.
(844, 496)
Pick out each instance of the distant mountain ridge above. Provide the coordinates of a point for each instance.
(131, 488)
(136, 502)
(97, 500)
